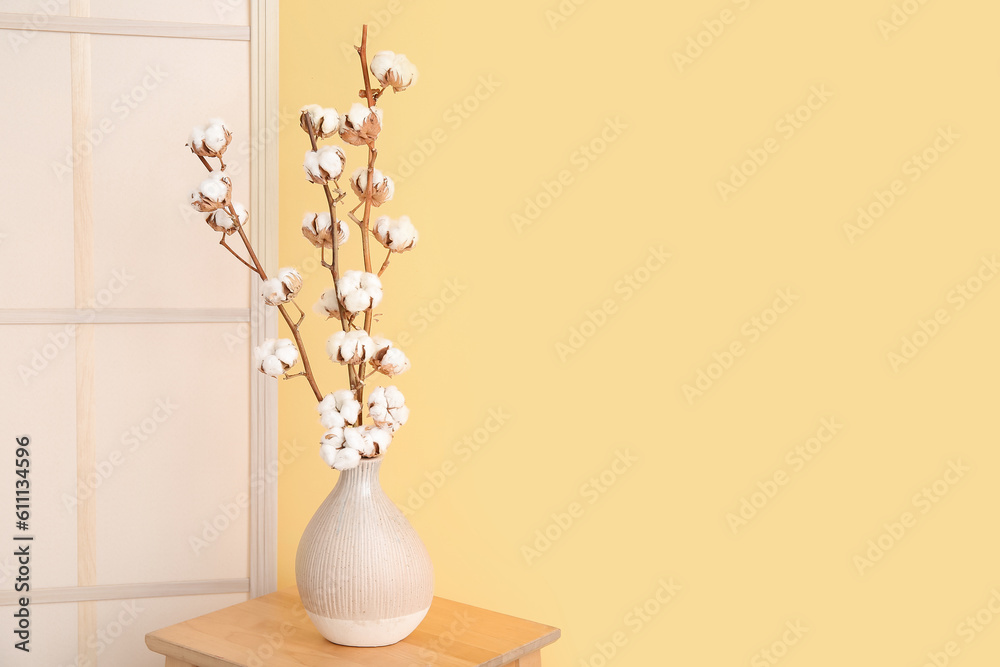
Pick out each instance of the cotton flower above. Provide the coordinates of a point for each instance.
(275, 357)
(360, 125)
(343, 448)
(335, 454)
(213, 193)
(394, 69)
(220, 220)
(325, 122)
(387, 408)
(359, 290)
(387, 359)
(350, 347)
(327, 304)
(396, 235)
(284, 286)
(339, 409)
(210, 140)
(324, 165)
(382, 186)
(316, 227)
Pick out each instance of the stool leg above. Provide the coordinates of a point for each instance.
(174, 662)
(530, 660)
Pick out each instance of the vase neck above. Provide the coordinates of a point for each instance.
(362, 479)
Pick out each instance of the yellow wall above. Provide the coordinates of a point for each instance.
(668, 135)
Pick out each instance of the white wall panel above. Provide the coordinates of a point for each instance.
(171, 399)
(148, 93)
(41, 404)
(36, 220)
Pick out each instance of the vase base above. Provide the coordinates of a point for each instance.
(382, 632)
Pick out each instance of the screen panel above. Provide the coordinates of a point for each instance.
(148, 94)
(171, 408)
(38, 387)
(36, 174)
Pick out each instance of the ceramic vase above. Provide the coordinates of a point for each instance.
(364, 575)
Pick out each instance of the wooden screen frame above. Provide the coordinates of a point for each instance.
(262, 35)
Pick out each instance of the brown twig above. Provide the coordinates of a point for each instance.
(385, 264)
(225, 245)
(259, 270)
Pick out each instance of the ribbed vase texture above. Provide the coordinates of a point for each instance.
(363, 573)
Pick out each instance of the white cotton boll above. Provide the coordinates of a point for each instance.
(334, 437)
(327, 304)
(392, 362)
(396, 235)
(347, 458)
(213, 193)
(210, 140)
(328, 403)
(351, 347)
(273, 292)
(287, 353)
(394, 69)
(394, 397)
(263, 351)
(359, 290)
(291, 279)
(332, 419)
(358, 439)
(323, 165)
(382, 437)
(317, 229)
(272, 366)
(216, 135)
(325, 121)
(383, 187)
(347, 405)
(328, 453)
(221, 221)
(386, 407)
(361, 125)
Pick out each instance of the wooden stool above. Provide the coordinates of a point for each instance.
(274, 631)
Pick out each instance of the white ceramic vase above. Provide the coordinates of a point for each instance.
(363, 573)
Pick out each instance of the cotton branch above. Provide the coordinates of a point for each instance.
(257, 268)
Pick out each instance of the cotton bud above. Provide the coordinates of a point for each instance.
(387, 408)
(360, 125)
(387, 359)
(327, 304)
(359, 290)
(221, 221)
(350, 347)
(339, 409)
(213, 193)
(210, 140)
(282, 287)
(394, 69)
(325, 122)
(335, 454)
(324, 165)
(369, 441)
(317, 229)
(382, 186)
(275, 357)
(396, 235)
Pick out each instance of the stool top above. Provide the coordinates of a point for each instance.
(274, 630)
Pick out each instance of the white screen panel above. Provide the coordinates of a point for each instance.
(148, 94)
(130, 620)
(39, 392)
(53, 637)
(172, 401)
(38, 9)
(36, 174)
(225, 12)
